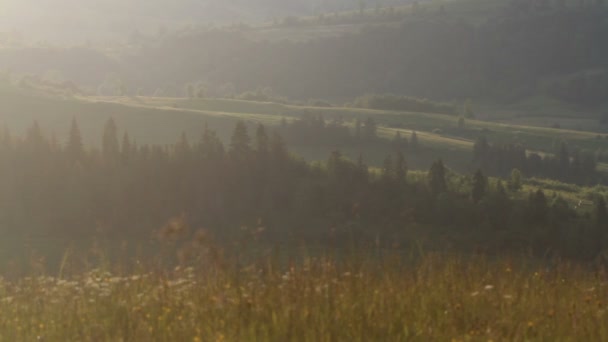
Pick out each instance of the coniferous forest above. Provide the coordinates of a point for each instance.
(124, 189)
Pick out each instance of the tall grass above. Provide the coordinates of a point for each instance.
(325, 298)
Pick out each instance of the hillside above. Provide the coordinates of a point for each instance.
(63, 20)
(520, 64)
(162, 120)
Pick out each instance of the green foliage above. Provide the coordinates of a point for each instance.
(515, 180)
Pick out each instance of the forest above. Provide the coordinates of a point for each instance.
(123, 189)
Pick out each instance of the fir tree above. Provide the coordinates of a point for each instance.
(109, 147)
(240, 144)
(261, 141)
(480, 185)
(400, 168)
(74, 147)
(436, 178)
(414, 140)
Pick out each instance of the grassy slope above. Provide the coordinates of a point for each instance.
(375, 297)
(537, 138)
(162, 120)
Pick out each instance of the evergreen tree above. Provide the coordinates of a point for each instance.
(537, 207)
(240, 144)
(514, 183)
(126, 149)
(278, 149)
(362, 169)
(74, 147)
(414, 140)
(436, 178)
(400, 168)
(480, 185)
(109, 146)
(370, 127)
(461, 122)
(261, 141)
(35, 139)
(182, 148)
(388, 169)
(481, 150)
(400, 143)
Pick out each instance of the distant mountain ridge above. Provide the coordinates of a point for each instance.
(80, 20)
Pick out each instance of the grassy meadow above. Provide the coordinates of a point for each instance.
(380, 296)
(161, 120)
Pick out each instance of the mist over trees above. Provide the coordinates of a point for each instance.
(124, 189)
(518, 51)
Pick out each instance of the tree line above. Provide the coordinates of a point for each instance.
(566, 164)
(123, 189)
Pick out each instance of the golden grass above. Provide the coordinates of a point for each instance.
(314, 299)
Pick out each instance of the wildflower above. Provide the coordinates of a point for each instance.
(115, 280)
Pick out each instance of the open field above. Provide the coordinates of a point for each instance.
(162, 120)
(355, 298)
(538, 138)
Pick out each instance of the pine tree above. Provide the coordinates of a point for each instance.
(278, 149)
(481, 149)
(35, 139)
(362, 169)
(261, 141)
(514, 183)
(401, 168)
(461, 122)
(436, 178)
(414, 140)
(538, 207)
(182, 148)
(240, 144)
(74, 147)
(126, 149)
(399, 142)
(480, 185)
(388, 169)
(109, 147)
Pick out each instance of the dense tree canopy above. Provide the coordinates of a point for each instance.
(67, 190)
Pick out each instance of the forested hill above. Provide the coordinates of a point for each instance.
(518, 52)
(497, 50)
(76, 21)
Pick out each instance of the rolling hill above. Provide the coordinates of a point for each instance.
(162, 120)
